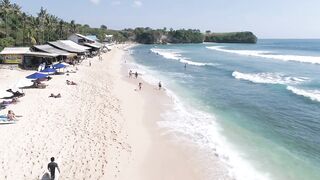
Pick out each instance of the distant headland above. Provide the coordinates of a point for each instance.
(164, 36)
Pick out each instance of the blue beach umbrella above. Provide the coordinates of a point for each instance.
(59, 66)
(36, 76)
(49, 70)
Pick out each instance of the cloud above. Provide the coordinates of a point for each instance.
(95, 1)
(116, 3)
(137, 3)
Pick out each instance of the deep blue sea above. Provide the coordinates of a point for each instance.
(255, 106)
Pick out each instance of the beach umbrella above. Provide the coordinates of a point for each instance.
(66, 64)
(36, 76)
(59, 66)
(49, 70)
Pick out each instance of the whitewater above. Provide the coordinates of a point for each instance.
(259, 116)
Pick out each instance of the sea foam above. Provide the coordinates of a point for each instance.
(314, 95)
(198, 128)
(269, 55)
(268, 78)
(176, 55)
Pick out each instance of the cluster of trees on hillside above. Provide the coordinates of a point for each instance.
(234, 37)
(18, 28)
(162, 36)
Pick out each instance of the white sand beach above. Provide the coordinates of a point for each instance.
(99, 129)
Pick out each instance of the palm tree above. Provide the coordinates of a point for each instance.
(6, 6)
(73, 27)
(61, 28)
(41, 19)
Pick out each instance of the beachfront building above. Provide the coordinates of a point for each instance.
(108, 38)
(94, 46)
(93, 37)
(26, 58)
(71, 47)
(62, 55)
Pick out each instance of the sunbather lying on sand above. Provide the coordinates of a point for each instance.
(13, 101)
(15, 94)
(71, 82)
(55, 96)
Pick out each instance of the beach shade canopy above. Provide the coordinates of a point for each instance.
(48, 70)
(59, 66)
(36, 76)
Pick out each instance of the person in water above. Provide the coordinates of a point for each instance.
(52, 168)
(185, 66)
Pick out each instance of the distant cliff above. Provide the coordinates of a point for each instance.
(164, 36)
(233, 37)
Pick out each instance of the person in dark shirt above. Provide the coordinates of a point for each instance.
(52, 167)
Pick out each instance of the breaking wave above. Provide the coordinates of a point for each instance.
(269, 55)
(268, 78)
(314, 95)
(176, 55)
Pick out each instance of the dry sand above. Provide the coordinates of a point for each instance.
(100, 129)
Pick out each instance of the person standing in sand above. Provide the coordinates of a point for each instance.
(130, 74)
(100, 57)
(136, 74)
(52, 168)
(160, 85)
(140, 86)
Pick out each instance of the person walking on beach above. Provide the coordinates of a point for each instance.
(140, 86)
(136, 74)
(100, 57)
(52, 168)
(130, 74)
(159, 85)
(89, 63)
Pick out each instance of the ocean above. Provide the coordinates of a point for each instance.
(254, 106)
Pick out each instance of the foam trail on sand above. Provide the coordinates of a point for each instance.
(176, 55)
(268, 78)
(314, 95)
(269, 55)
(200, 129)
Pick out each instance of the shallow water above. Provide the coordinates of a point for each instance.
(255, 105)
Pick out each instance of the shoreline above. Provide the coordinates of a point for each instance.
(99, 129)
(198, 165)
(155, 156)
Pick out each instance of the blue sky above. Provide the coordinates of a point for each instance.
(266, 18)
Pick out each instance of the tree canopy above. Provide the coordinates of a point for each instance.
(18, 28)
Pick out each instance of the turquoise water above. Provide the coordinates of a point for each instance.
(256, 105)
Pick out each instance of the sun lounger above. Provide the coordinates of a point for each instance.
(4, 120)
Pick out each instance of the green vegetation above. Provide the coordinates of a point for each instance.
(18, 28)
(236, 37)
